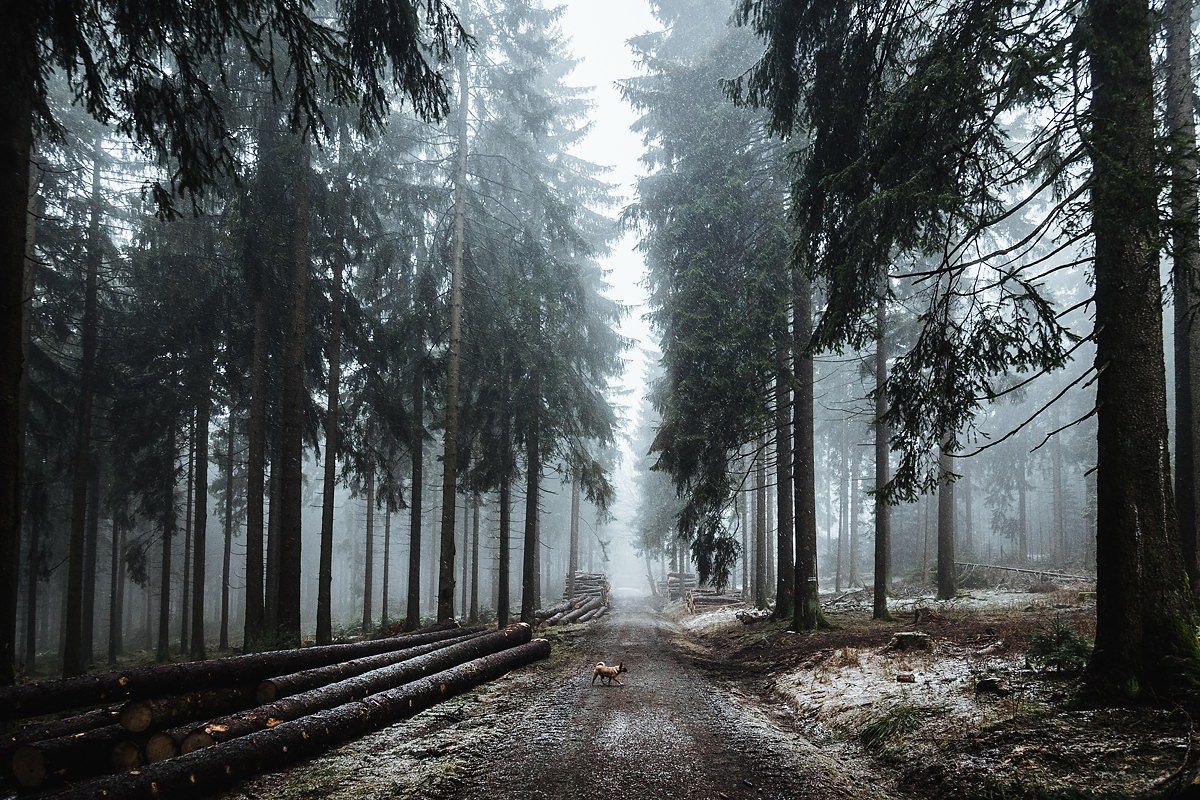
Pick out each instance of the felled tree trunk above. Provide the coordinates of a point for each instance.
(139, 716)
(209, 770)
(236, 725)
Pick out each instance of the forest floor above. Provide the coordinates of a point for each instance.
(712, 708)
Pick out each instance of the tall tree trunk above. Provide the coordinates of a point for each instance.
(116, 593)
(200, 517)
(292, 398)
(883, 515)
(966, 539)
(1185, 274)
(947, 587)
(843, 505)
(785, 585)
(807, 614)
(368, 616)
(473, 616)
(275, 511)
(1145, 612)
(506, 472)
(227, 553)
(573, 544)
(185, 569)
(744, 523)
(91, 549)
(74, 657)
(32, 579)
(387, 564)
(256, 429)
(533, 477)
(412, 616)
(854, 578)
(445, 606)
(168, 533)
(1061, 549)
(334, 356)
(760, 524)
(33, 546)
(1022, 508)
(18, 69)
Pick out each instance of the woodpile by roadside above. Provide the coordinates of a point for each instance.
(671, 587)
(702, 599)
(238, 715)
(584, 599)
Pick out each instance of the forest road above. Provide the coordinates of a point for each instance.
(670, 731)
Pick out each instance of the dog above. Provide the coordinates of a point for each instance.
(608, 675)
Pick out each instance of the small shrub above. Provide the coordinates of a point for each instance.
(1058, 648)
(898, 720)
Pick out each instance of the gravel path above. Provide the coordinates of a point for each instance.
(670, 731)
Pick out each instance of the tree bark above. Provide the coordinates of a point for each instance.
(760, 525)
(473, 616)
(185, 568)
(807, 614)
(387, 563)
(445, 605)
(785, 585)
(223, 729)
(208, 770)
(272, 689)
(947, 587)
(292, 398)
(883, 527)
(227, 553)
(573, 543)
(504, 555)
(116, 594)
(533, 477)
(256, 478)
(48, 697)
(168, 533)
(333, 388)
(139, 716)
(368, 616)
(200, 516)
(91, 549)
(1145, 612)
(1185, 273)
(74, 657)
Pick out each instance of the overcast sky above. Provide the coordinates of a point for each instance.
(598, 30)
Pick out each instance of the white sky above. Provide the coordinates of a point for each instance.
(598, 30)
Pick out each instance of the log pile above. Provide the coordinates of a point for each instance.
(670, 588)
(702, 599)
(584, 599)
(240, 715)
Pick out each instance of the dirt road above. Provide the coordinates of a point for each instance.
(671, 731)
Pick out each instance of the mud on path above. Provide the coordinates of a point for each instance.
(671, 731)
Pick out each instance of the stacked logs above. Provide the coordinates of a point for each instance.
(240, 715)
(670, 587)
(584, 599)
(703, 599)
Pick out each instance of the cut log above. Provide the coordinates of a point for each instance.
(127, 755)
(546, 613)
(46, 697)
(166, 744)
(572, 616)
(67, 726)
(66, 758)
(212, 769)
(241, 724)
(138, 716)
(286, 685)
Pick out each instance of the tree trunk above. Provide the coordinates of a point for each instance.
(91, 549)
(966, 541)
(368, 616)
(256, 478)
(1022, 509)
(785, 585)
(883, 527)
(505, 558)
(387, 563)
(17, 72)
(445, 605)
(760, 524)
(227, 553)
(292, 400)
(272, 689)
(223, 729)
(200, 517)
(947, 587)
(843, 506)
(334, 356)
(466, 547)
(807, 614)
(473, 616)
(74, 657)
(139, 716)
(1145, 614)
(168, 533)
(533, 476)
(1185, 273)
(412, 617)
(206, 771)
(185, 606)
(116, 593)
